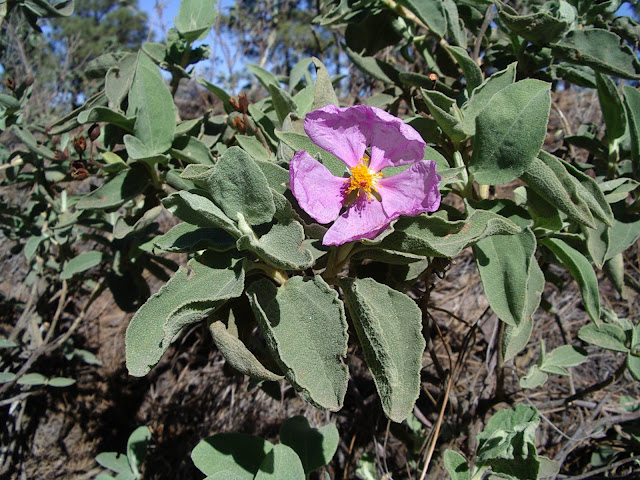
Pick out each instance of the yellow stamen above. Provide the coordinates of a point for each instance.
(363, 179)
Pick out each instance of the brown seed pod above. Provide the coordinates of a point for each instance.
(10, 83)
(62, 156)
(94, 132)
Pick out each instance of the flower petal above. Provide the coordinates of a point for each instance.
(365, 218)
(392, 141)
(411, 192)
(318, 191)
(341, 131)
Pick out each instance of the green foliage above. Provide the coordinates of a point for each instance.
(127, 466)
(240, 456)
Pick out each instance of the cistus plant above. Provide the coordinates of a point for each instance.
(311, 224)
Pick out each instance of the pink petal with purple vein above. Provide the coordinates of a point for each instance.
(341, 131)
(411, 192)
(318, 191)
(363, 219)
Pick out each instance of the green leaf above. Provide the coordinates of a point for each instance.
(482, 95)
(607, 336)
(265, 77)
(6, 377)
(389, 326)
(506, 278)
(223, 96)
(238, 186)
(456, 465)
(433, 236)
(191, 150)
(299, 71)
(283, 104)
(254, 147)
(185, 237)
(633, 364)
(599, 49)
(548, 177)
(534, 378)
(314, 446)
(32, 379)
(430, 12)
(114, 461)
(304, 100)
(154, 108)
(199, 210)
(507, 444)
(591, 192)
(104, 114)
(191, 294)
(304, 325)
(32, 144)
(632, 110)
(238, 355)
(281, 247)
(597, 242)
(624, 233)
(277, 177)
(455, 30)
(195, 18)
(470, 69)
(81, 263)
(581, 271)
(446, 112)
(118, 80)
(516, 338)
(611, 106)
(541, 27)
(237, 453)
(510, 131)
(124, 186)
(564, 356)
(281, 463)
(137, 447)
(60, 382)
(324, 92)
(378, 69)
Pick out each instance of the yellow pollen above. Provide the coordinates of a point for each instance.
(362, 178)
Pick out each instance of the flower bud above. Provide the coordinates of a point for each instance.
(80, 144)
(29, 80)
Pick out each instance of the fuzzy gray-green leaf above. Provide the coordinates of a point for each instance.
(600, 49)
(199, 210)
(510, 131)
(314, 446)
(389, 326)
(281, 463)
(549, 178)
(238, 186)
(434, 236)
(505, 277)
(191, 294)
(156, 112)
(238, 355)
(305, 327)
(280, 247)
(581, 271)
(115, 191)
(237, 453)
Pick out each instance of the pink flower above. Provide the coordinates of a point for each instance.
(367, 140)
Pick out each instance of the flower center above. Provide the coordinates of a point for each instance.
(363, 179)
